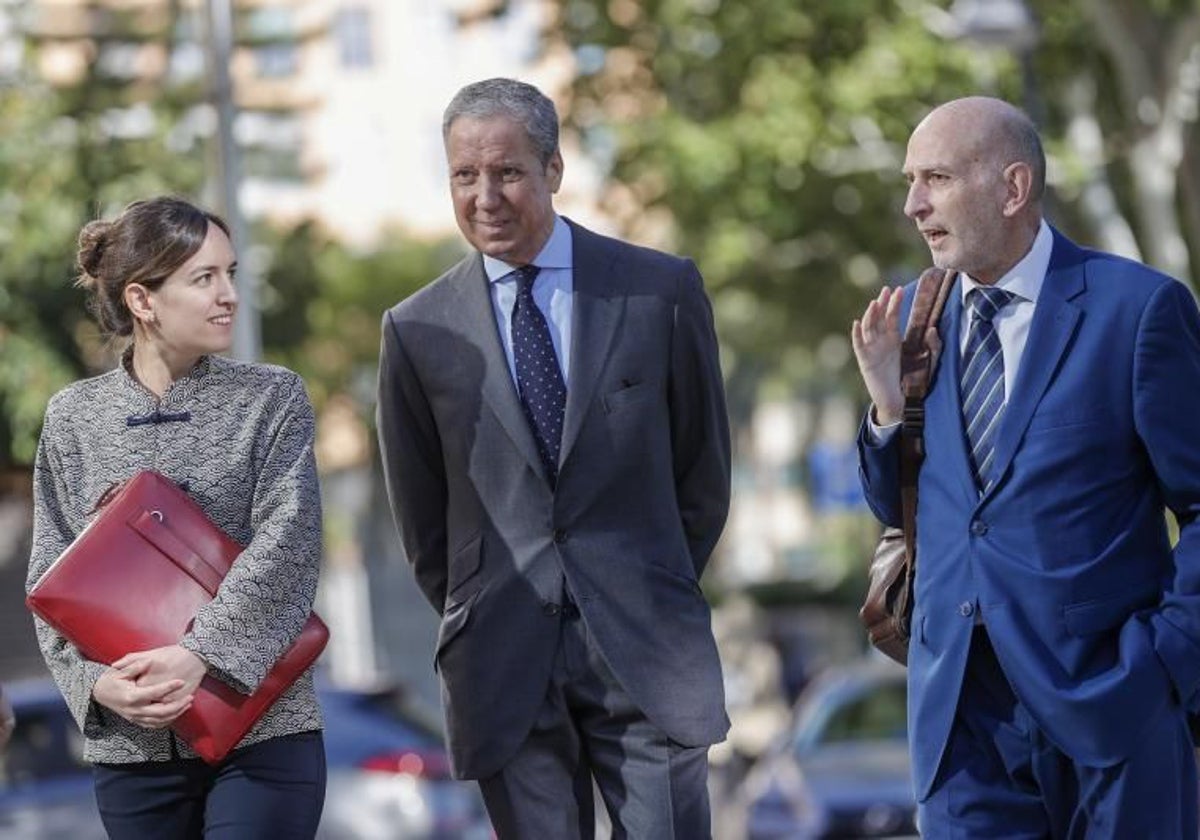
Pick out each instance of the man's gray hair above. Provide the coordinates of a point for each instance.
(518, 101)
(1025, 145)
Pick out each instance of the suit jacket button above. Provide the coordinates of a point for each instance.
(979, 527)
(966, 609)
(551, 609)
(560, 536)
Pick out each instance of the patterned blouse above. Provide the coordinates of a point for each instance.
(238, 437)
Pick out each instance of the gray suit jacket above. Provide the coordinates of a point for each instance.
(641, 497)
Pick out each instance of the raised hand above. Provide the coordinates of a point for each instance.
(876, 338)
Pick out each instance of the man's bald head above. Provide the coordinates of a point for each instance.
(995, 130)
(976, 175)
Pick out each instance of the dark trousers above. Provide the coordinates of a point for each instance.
(1001, 777)
(653, 788)
(273, 789)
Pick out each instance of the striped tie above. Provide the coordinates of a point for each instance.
(539, 379)
(983, 380)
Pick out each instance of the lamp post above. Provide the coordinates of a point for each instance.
(218, 20)
(1003, 24)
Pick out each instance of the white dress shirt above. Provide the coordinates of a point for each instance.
(553, 292)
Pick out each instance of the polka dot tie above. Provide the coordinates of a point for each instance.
(539, 380)
(983, 397)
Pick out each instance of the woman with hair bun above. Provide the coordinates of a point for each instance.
(238, 437)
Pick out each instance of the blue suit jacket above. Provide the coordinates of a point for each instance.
(1093, 616)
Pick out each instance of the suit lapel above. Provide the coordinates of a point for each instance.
(1054, 322)
(478, 319)
(596, 313)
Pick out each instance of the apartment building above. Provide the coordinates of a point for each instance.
(338, 102)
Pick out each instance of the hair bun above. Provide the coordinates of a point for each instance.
(93, 240)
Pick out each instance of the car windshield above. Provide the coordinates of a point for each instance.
(878, 715)
(874, 712)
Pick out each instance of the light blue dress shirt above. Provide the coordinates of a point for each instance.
(1025, 281)
(553, 292)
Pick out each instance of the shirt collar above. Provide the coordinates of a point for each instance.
(556, 253)
(1024, 279)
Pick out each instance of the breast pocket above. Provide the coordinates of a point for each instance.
(1066, 417)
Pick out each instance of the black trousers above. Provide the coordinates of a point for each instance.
(653, 788)
(275, 789)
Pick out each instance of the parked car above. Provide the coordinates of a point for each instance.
(45, 786)
(388, 772)
(842, 768)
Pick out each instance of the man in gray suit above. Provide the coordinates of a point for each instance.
(553, 432)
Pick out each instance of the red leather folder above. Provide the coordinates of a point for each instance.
(134, 579)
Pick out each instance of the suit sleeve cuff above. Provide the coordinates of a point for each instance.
(877, 435)
(87, 711)
(243, 683)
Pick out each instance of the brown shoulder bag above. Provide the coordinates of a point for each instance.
(887, 610)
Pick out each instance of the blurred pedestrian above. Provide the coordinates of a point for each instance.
(553, 433)
(8, 721)
(239, 437)
(1056, 631)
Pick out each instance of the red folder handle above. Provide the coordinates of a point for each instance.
(150, 524)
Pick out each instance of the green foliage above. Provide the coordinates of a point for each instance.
(65, 160)
(322, 304)
(30, 373)
(1139, 61)
(75, 152)
(46, 195)
(772, 132)
(769, 133)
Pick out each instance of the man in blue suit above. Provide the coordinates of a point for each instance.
(1056, 631)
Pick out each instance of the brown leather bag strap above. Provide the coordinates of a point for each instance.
(916, 371)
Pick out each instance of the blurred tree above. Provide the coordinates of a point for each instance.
(81, 140)
(322, 304)
(1121, 84)
(765, 138)
(35, 350)
(105, 105)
